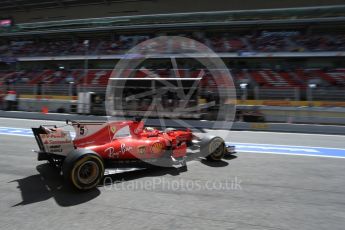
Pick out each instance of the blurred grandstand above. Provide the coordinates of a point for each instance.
(284, 53)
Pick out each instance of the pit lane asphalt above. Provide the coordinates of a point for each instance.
(252, 191)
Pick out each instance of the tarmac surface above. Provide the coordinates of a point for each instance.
(247, 191)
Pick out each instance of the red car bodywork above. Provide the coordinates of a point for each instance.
(142, 143)
(98, 146)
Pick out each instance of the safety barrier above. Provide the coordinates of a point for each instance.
(269, 127)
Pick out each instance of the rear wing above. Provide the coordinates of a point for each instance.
(37, 132)
(51, 139)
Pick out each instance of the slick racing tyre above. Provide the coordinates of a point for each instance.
(83, 169)
(212, 148)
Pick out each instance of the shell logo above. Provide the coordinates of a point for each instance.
(157, 148)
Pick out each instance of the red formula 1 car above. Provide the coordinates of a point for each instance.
(98, 146)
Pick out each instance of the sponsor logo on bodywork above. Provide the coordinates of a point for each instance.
(113, 129)
(142, 150)
(157, 148)
(116, 154)
(55, 149)
(58, 142)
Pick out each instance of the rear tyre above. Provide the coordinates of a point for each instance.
(212, 148)
(83, 169)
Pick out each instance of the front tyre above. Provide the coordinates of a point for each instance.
(83, 169)
(213, 148)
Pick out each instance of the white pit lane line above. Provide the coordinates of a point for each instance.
(240, 147)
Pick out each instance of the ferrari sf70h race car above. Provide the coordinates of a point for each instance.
(99, 146)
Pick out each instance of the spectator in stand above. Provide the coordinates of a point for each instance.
(11, 100)
(2, 95)
(69, 78)
(264, 41)
(8, 83)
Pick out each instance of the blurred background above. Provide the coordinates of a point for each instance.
(286, 57)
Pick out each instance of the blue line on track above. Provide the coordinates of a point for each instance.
(240, 147)
(290, 150)
(16, 131)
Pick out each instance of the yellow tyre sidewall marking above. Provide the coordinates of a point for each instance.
(81, 161)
